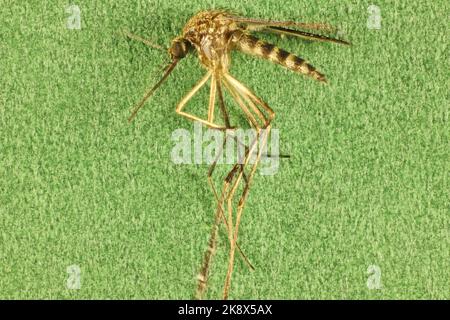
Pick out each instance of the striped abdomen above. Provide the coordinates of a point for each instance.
(254, 46)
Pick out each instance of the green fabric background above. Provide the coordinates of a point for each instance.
(367, 182)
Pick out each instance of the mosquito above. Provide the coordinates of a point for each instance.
(213, 35)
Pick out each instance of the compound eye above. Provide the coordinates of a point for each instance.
(179, 49)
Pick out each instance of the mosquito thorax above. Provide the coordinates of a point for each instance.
(179, 48)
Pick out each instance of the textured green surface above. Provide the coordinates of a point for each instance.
(367, 182)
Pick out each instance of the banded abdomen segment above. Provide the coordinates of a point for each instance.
(252, 45)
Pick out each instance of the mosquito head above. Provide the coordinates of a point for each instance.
(179, 48)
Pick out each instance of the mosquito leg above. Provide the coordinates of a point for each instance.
(236, 174)
(213, 188)
(240, 208)
(225, 116)
(213, 165)
(251, 119)
(189, 96)
(203, 276)
(237, 167)
(216, 87)
(231, 182)
(246, 92)
(220, 203)
(237, 170)
(238, 90)
(252, 105)
(242, 162)
(212, 98)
